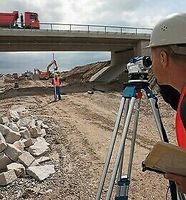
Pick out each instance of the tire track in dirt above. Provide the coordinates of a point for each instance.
(74, 117)
(78, 160)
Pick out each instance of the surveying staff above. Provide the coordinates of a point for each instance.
(56, 82)
(168, 50)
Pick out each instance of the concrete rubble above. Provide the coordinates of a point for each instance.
(23, 148)
(40, 172)
(2, 85)
(7, 177)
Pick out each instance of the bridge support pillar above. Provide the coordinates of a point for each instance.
(116, 72)
(140, 49)
(120, 58)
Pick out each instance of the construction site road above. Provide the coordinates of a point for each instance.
(80, 129)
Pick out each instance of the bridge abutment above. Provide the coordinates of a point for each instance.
(119, 59)
(141, 50)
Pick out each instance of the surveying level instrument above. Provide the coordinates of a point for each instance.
(137, 68)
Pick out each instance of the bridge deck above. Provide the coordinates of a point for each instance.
(56, 37)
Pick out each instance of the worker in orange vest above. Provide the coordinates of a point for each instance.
(168, 49)
(56, 82)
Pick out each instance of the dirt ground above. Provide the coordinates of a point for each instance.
(80, 129)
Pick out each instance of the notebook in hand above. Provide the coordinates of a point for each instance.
(166, 157)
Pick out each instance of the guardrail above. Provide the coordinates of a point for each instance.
(92, 28)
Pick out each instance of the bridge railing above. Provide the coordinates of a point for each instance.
(93, 28)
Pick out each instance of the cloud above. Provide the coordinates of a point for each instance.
(133, 13)
(119, 6)
(118, 12)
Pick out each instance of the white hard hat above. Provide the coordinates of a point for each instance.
(170, 31)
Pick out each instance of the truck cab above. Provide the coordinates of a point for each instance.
(9, 20)
(31, 20)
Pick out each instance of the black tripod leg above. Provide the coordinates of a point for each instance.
(172, 184)
(163, 135)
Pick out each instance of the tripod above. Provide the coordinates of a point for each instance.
(131, 99)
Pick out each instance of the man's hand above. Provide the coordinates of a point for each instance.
(179, 180)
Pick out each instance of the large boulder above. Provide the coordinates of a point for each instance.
(12, 152)
(41, 172)
(18, 168)
(4, 161)
(3, 143)
(7, 177)
(39, 148)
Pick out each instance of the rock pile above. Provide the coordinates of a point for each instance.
(2, 85)
(23, 148)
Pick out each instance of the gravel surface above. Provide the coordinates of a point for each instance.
(80, 129)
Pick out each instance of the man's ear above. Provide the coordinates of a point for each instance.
(164, 58)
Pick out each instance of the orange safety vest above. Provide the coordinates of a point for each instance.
(180, 129)
(56, 82)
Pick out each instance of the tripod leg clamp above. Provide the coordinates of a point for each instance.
(129, 91)
(123, 182)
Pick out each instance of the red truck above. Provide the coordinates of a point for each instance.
(29, 21)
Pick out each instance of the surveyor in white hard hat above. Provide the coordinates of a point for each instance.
(168, 49)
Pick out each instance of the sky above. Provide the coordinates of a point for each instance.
(133, 13)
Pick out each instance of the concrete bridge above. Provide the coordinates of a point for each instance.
(122, 42)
